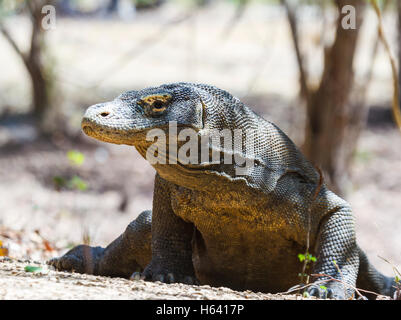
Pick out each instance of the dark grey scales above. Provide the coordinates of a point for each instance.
(211, 226)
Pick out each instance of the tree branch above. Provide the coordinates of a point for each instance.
(239, 12)
(12, 42)
(303, 77)
(396, 95)
(144, 44)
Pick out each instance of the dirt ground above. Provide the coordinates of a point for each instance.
(41, 218)
(47, 284)
(16, 283)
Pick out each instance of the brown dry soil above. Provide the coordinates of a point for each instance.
(16, 283)
(46, 283)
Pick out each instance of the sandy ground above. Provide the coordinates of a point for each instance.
(255, 62)
(16, 283)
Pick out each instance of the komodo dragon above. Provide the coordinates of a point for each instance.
(210, 225)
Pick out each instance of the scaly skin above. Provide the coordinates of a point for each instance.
(212, 226)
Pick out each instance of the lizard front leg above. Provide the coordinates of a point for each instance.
(326, 221)
(171, 241)
(130, 252)
(337, 252)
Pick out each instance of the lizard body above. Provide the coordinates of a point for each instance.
(210, 225)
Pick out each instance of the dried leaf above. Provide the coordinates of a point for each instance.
(47, 245)
(3, 250)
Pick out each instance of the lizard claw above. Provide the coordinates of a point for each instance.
(323, 292)
(137, 276)
(160, 277)
(190, 280)
(81, 259)
(156, 272)
(318, 292)
(170, 278)
(67, 263)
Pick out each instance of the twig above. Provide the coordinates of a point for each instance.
(393, 266)
(304, 286)
(397, 273)
(368, 76)
(316, 193)
(303, 77)
(301, 287)
(140, 48)
(341, 275)
(396, 95)
(11, 41)
(344, 283)
(239, 13)
(260, 64)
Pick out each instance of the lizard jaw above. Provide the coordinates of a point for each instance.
(87, 129)
(101, 133)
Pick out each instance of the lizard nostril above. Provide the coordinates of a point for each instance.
(105, 114)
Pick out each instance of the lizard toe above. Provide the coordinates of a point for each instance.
(67, 263)
(317, 291)
(191, 280)
(137, 276)
(81, 259)
(332, 290)
(156, 271)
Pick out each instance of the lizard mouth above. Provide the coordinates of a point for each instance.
(110, 134)
(87, 129)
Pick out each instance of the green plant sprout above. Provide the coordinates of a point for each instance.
(76, 158)
(307, 259)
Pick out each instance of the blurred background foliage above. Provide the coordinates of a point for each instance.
(330, 89)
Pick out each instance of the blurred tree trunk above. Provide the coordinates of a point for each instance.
(329, 113)
(35, 64)
(64, 8)
(399, 39)
(34, 61)
(112, 6)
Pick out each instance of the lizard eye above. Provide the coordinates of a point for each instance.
(158, 106)
(155, 103)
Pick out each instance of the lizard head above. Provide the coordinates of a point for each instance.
(128, 118)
